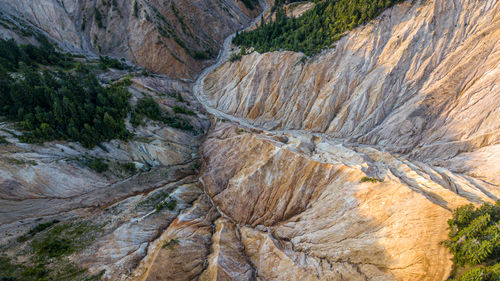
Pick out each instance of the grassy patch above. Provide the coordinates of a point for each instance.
(20, 162)
(64, 239)
(39, 228)
(52, 243)
(170, 204)
(63, 270)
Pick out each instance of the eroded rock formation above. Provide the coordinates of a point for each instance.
(177, 38)
(344, 166)
(421, 79)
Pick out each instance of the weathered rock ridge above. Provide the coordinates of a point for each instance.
(274, 189)
(410, 99)
(42, 183)
(303, 212)
(422, 79)
(177, 38)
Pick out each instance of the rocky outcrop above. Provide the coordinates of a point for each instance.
(121, 210)
(408, 101)
(421, 79)
(303, 211)
(344, 166)
(177, 38)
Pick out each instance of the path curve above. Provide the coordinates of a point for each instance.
(323, 142)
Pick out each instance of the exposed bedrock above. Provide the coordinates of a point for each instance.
(422, 79)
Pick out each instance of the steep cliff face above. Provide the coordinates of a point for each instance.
(303, 211)
(177, 38)
(421, 79)
(410, 99)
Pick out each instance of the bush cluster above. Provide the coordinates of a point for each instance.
(148, 108)
(475, 242)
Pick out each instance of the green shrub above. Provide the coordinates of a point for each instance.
(97, 164)
(153, 199)
(235, 57)
(98, 17)
(240, 131)
(108, 62)
(64, 239)
(39, 228)
(183, 110)
(147, 107)
(3, 140)
(370, 179)
(170, 243)
(475, 274)
(170, 204)
(136, 9)
(179, 97)
(204, 55)
(250, 4)
(129, 167)
(52, 247)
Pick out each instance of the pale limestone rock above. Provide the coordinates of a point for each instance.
(305, 214)
(421, 79)
(227, 260)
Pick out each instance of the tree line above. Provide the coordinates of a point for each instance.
(51, 96)
(314, 30)
(54, 104)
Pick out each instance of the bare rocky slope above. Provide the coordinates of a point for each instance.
(117, 210)
(421, 79)
(273, 189)
(410, 99)
(177, 38)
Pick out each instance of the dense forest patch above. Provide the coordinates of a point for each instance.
(475, 243)
(52, 96)
(314, 30)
